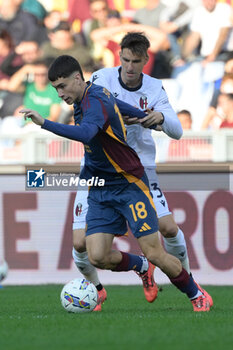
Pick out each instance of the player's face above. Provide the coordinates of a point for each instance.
(185, 120)
(132, 66)
(70, 89)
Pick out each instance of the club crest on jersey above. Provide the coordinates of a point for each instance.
(143, 102)
(78, 210)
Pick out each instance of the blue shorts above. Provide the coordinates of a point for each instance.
(112, 207)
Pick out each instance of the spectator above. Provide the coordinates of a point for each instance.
(98, 12)
(62, 43)
(34, 7)
(29, 51)
(52, 19)
(185, 118)
(107, 39)
(7, 51)
(215, 115)
(127, 8)
(25, 53)
(189, 148)
(37, 91)
(211, 28)
(151, 15)
(21, 25)
(175, 21)
(227, 107)
(74, 11)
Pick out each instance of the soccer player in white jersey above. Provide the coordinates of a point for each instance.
(129, 84)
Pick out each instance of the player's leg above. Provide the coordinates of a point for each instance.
(102, 216)
(142, 214)
(153, 250)
(104, 221)
(173, 237)
(174, 240)
(101, 254)
(79, 252)
(81, 258)
(172, 267)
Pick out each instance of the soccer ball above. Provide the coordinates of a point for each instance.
(79, 295)
(3, 270)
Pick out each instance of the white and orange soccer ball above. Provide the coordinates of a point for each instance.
(79, 295)
(3, 270)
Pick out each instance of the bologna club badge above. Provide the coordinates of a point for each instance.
(143, 102)
(78, 210)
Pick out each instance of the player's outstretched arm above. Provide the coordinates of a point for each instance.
(33, 115)
(83, 133)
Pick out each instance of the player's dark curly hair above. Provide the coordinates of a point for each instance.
(63, 66)
(136, 42)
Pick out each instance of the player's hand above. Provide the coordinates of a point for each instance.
(152, 118)
(129, 120)
(35, 116)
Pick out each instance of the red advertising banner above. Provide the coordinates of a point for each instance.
(36, 235)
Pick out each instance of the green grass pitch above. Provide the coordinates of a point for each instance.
(31, 317)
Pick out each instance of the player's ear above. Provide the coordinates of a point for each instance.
(120, 54)
(78, 76)
(147, 58)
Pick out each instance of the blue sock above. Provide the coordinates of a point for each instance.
(130, 262)
(185, 283)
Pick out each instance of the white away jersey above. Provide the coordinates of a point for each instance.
(149, 95)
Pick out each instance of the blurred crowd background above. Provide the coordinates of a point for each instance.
(191, 51)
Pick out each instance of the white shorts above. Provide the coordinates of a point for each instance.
(81, 206)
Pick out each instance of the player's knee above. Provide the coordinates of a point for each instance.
(80, 246)
(156, 256)
(79, 241)
(98, 260)
(168, 229)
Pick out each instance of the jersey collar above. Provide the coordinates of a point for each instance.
(89, 84)
(125, 86)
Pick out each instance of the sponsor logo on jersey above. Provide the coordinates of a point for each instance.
(35, 178)
(145, 227)
(115, 94)
(182, 254)
(94, 78)
(162, 202)
(143, 102)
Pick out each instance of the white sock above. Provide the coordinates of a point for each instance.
(177, 246)
(145, 264)
(197, 295)
(83, 264)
